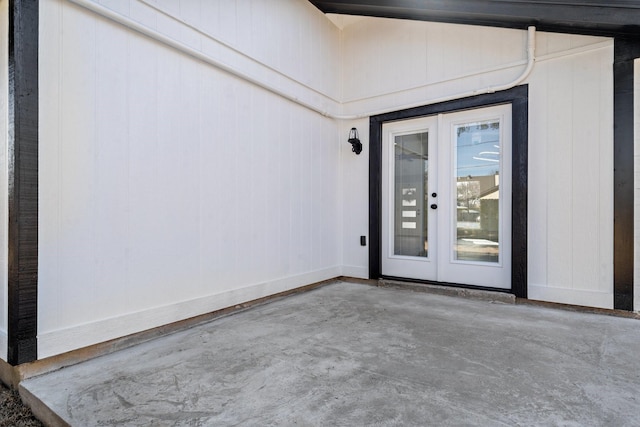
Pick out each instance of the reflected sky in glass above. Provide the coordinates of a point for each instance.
(478, 149)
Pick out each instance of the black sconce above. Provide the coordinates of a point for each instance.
(356, 145)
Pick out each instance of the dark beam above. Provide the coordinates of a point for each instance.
(519, 191)
(375, 197)
(625, 51)
(593, 17)
(22, 165)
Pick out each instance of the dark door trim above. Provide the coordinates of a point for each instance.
(22, 165)
(625, 52)
(518, 97)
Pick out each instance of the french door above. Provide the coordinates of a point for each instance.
(446, 198)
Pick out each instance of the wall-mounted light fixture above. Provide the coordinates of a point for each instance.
(356, 145)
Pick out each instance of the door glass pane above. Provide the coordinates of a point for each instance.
(410, 193)
(477, 174)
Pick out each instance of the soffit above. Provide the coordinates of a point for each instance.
(592, 17)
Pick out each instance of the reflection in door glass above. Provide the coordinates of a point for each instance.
(410, 192)
(477, 176)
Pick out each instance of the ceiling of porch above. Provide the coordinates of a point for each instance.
(592, 17)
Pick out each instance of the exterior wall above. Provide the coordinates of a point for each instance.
(169, 188)
(355, 215)
(636, 210)
(571, 180)
(4, 96)
(389, 64)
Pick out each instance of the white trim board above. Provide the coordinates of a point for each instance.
(355, 271)
(3, 345)
(63, 340)
(636, 278)
(570, 296)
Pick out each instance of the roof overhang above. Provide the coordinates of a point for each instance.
(612, 18)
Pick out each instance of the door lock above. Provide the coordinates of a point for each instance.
(434, 206)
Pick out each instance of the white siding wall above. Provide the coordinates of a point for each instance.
(4, 45)
(392, 63)
(355, 216)
(571, 180)
(169, 188)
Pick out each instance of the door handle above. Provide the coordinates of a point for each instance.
(434, 206)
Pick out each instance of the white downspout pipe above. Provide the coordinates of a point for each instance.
(531, 59)
(153, 34)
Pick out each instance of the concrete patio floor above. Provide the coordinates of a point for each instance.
(348, 354)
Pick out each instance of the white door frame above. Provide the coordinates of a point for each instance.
(433, 256)
(518, 97)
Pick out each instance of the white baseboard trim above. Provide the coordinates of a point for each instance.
(51, 343)
(355, 271)
(4, 340)
(571, 296)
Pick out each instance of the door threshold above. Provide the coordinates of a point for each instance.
(495, 296)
